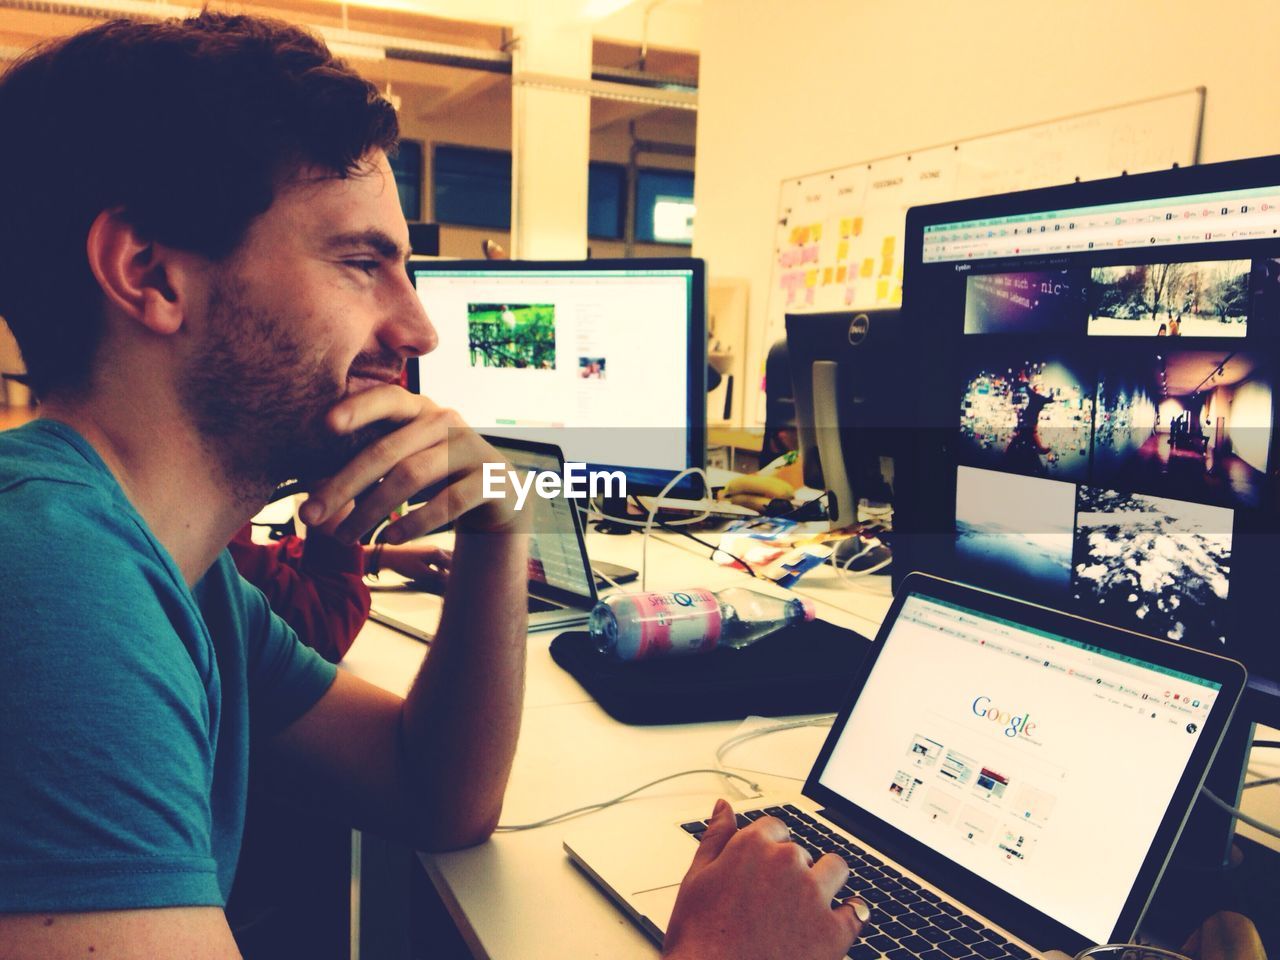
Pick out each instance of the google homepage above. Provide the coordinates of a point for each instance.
(531, 354)
(1042, 766)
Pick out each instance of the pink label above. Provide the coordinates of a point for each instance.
(677, 623)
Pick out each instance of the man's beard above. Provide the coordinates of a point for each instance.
(259, 397)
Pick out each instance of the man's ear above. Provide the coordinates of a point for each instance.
(142, 279)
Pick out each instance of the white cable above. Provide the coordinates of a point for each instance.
(1239, 814)
(606, 578)
(738, 739)
(589, 808)
(653, 512)
(1266, 782)
(598, 514)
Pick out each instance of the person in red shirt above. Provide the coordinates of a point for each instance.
(317, 585)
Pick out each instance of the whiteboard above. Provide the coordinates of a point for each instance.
(840, 233)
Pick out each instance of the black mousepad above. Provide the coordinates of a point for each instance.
(806, 668)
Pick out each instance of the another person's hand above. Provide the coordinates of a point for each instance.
(430, 448)
(752, 893)
(427, 566)
(1225, 936)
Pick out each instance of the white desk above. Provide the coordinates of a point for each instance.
(518, 896)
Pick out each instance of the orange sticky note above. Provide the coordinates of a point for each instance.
(857, 226)
(826, 276)
(841, 273)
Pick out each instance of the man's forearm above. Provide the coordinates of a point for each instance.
(462, 717)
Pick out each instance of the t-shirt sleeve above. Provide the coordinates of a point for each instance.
(106, 742)
(286, 678)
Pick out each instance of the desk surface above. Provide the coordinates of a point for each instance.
(518, 896)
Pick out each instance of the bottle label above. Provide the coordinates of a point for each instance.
(677, 623)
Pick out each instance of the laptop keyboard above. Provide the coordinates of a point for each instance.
(908, 922)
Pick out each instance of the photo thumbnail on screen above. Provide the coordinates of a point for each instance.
(512, 335)
(591, 368)
(1029, 415)
(1015, 534)
(1041, 301)
(1193, 425)
(1206, 298)
(1157, 566)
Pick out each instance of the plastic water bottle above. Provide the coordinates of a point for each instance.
(636, 626)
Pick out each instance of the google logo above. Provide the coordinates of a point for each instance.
(1015, 725)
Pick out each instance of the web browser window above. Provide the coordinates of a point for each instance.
(1023, 756)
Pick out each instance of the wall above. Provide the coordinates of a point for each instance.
(794, 88)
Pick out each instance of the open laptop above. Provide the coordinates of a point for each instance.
(1004, 779)
(562, 584)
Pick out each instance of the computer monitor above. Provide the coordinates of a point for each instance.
(605, 358)
(848, 415)
(1096, 367)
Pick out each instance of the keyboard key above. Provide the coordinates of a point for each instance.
(754, 814)
(910, 884)
(881, 942)
(950, 908)
(1018, 952)
(863, 951)
(901, 954)
(742, 821)
(914, 921)
(892, 886)
(873, 896)
(965, 935)
(916, 944)
(792, 809)
(954, 949)
(933, 955)
(906, 896)
(994, 937)
(929, 895)
(891, 872)
(945, 922)
(874, 861)
(695, 826)
(892, 928)
(933, 934)
(928, 909)
(985, 948)
(969, 922)
(893, 908)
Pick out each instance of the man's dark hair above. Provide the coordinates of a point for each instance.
(188, 127)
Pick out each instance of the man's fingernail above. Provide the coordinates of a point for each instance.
(311, 511)
(861, 908)
(719, 808)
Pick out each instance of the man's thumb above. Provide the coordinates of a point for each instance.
(720, 830)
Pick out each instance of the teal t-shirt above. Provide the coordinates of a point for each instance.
(126, 699)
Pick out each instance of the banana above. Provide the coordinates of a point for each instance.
(752, 501)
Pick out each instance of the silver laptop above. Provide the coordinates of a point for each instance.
(562, 585)
(1003, 780)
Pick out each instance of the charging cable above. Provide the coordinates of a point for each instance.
(605, 804)
(738, 739)
(653, 513)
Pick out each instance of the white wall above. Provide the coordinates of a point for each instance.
(794, 87)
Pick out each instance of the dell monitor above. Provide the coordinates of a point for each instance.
(848, 416)
(604, 358)
(1096, 368)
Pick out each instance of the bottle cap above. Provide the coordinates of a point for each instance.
(809, 610)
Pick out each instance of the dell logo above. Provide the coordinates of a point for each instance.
(859, 327)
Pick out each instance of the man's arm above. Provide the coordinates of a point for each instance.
(431, 769)
(197, 933)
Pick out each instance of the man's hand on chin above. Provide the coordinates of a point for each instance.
(430, 449)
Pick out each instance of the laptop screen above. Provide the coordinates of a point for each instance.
(556, 555)
(1004, 748)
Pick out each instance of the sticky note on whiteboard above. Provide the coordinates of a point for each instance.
(811, 278)
(841, 272)
(826, 276)
(868, 267)
(882, 290)
(842, 250)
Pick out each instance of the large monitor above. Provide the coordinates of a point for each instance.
(1097, 373)
(605, 358)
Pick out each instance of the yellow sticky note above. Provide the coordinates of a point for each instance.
(826, 276)
(857, 226)
(842, 251)
(882, 290)
(868, 267)
(886, 268)
(816, 232)
(811, 278)
(888, 245)
(841, 273)
(846, 227)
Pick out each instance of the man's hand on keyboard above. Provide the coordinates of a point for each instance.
(751, 893)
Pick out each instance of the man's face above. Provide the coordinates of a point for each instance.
(314, 304)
